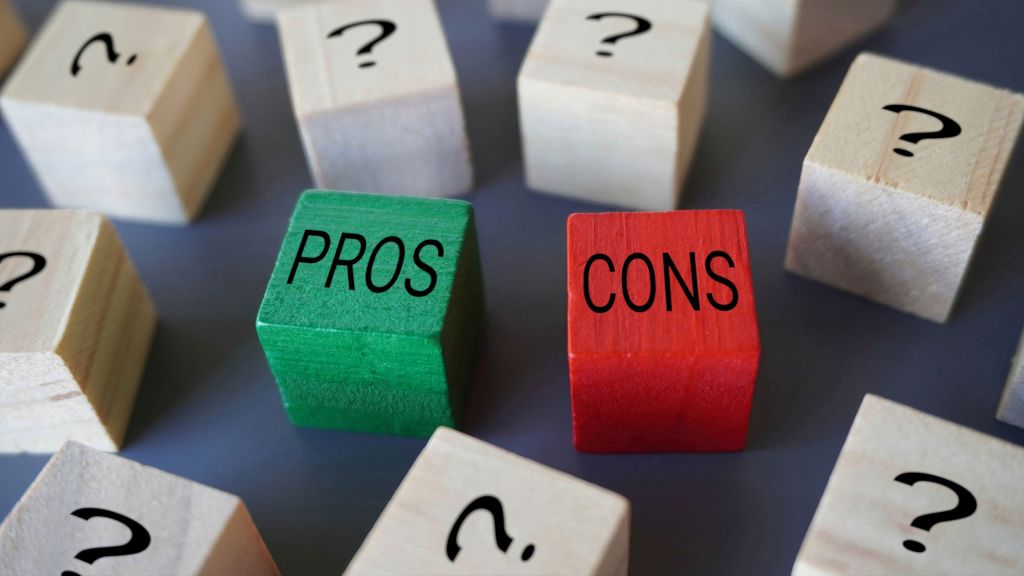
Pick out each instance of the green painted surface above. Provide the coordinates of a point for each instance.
(387, 349)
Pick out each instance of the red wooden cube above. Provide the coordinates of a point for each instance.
(663, 340)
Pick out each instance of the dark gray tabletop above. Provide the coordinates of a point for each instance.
(208, 408)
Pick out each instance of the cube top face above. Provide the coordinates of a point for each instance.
(660, 283)
(45, 253)
(898, 465)
(362, 52)
(920, 131)
(182, 519)
(104, 57)
(561, 525)
(658, 42)
(367, 263)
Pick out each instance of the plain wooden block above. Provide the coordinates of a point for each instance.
(265, 11)
(376, 97)
(663, 339)
(84, 500)
(517, 10)
(789, 36)
(619, 128)
(893, 220)
(124, 109)
(76, 325)
(467, 507)
(371, 316)
(1011, 408)
(897, 468)
(12, 36)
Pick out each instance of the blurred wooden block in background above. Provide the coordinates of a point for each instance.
(84, 499)
(74, 333)
(124, 109)
(517, 10)
(265, 11)
(615, 122)
(789, 36)
(375, 94)
(898, 467)
(469, 508)
(13, 36)
(889, 210)
(1011, 408)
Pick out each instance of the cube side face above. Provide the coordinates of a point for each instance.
(1011, 407)
(897, 249)
(764, 30)
(824, 28)
(13, 36)
(517, 10)
(575, 528)
(865, 514)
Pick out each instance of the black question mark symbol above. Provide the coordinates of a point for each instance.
(501, 537)
(949, 129)
(642, 25)
(139, 541)
(964, 508)
(107, 40)
(387, 28)
(38, 263)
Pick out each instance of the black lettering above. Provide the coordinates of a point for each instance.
(338, 261)
(723, 281)
(692, 295)
(425, 267)
(586, 283)
(652, 283)
(300, 259)
(398, 266)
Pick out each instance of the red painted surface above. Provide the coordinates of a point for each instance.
(660, 380)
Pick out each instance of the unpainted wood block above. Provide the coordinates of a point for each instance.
(899, 182)
(663, 339)
(897, 469)
(265, 11)
(1011, 408)
(13, 36)
(517, 10)
(124, 109)
(84, 501)
(611, 103)
(76, 325)
(376, 97)
(372, 313)
(470, 508)
(790, 36)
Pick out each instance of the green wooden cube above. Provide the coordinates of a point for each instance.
(372, 313)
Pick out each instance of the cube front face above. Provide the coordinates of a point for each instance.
(123, 109)
(597, 125)
(75, 331)
(372, 312)
(663, 339)
(373, 87)
(83, 499)
(887, 216)
(12, 36)
(899, 464)
(439, 520)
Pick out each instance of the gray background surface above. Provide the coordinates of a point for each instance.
(208, 408)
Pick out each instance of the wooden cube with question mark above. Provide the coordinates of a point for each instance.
(125, 109)
(915, 494)
(376, 98)
(13, 36)
(517, 10)
(469, 508)
(76, 325)
(612, 98)
(899, 182)
(790, 36)
(92, 513)
(1011, 407)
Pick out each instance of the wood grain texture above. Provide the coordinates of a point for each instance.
(660, 362)
(74, 337)
(141, 138)
(194, 530)
(265, 11)
(1011, 407)
(517, 10)
(901, 230)
(865, 515)
(789, 36)
(383, 342)
(619, 130)
(395, 127)
(13, 36)
(576, 528)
